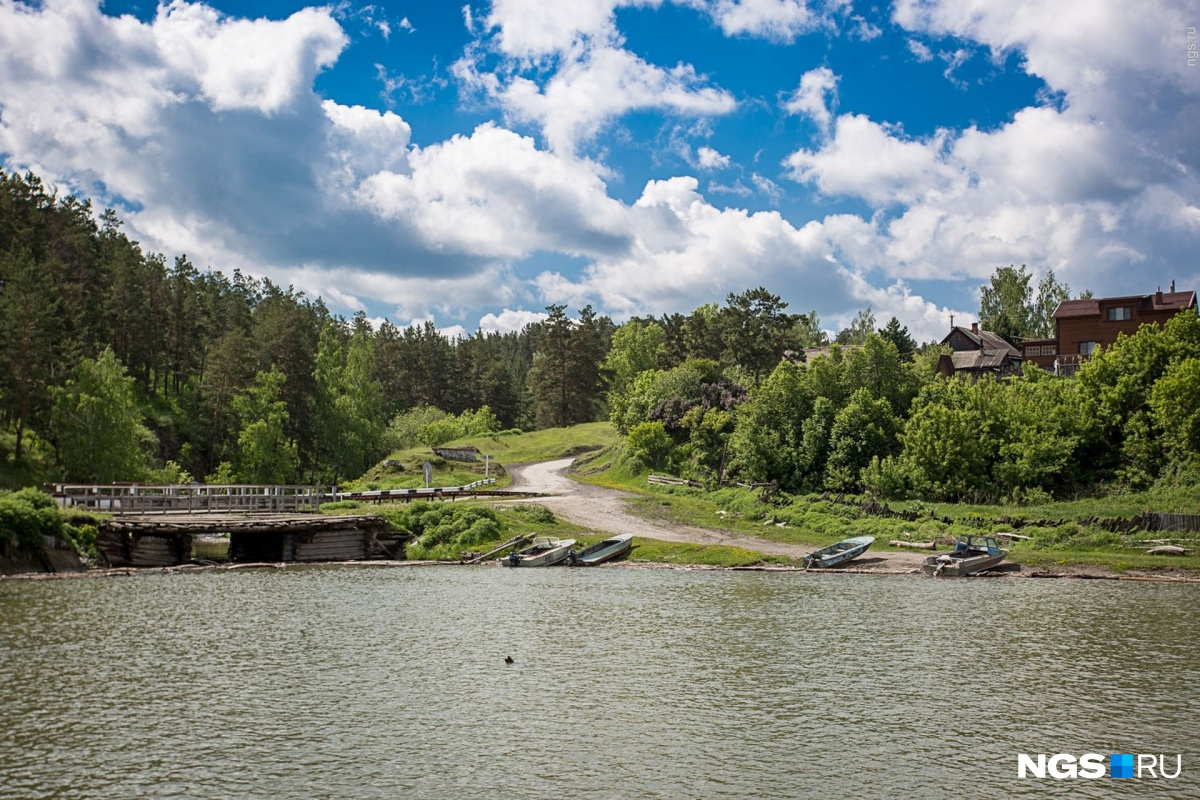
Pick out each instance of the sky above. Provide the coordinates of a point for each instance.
(472, 164)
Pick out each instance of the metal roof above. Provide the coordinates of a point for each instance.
(1146, 303)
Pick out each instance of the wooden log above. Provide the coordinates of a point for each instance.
(913, 545)
(1167, 550)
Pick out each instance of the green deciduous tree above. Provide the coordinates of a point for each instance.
(1006, 304)
(768, 441)
(97, 423)
(651, 444)
(266, 454)
(1050, 294)
(349, 420)
(807, 331)
(1175, 409)
(859, 329)
(865, 428)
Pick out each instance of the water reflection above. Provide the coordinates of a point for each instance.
(373, 682)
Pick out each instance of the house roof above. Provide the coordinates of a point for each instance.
(972, 360)
(1146, 303)
(986, 341)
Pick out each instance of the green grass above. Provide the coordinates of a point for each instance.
(1071, 538)
(659, 552)
(410, 475)
(505, 448)
(544, 445)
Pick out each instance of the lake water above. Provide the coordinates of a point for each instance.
(390, 682)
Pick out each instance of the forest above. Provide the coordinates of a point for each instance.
(119, 365)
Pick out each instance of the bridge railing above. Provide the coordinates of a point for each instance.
(138, 498)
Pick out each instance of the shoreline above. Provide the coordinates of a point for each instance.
(1068, 572)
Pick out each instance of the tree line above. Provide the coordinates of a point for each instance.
(875, 417)
(116, 364)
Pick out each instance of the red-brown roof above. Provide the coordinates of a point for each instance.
(1146, 303)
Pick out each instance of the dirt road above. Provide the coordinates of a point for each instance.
(610, 511)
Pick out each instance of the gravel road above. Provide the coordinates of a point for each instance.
(609, 510)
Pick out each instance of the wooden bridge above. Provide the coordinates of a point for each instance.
(146, 525)
(164, 540)
(135, 498)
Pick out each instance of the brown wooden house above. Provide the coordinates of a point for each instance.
(978, 353)
(1085, 325)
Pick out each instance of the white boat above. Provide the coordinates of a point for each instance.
(545, 551)
(607, 550)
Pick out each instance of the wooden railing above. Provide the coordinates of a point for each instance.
(135, 498)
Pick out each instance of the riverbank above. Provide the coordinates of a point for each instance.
(878, 565)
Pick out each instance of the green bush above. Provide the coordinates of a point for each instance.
(536, 514)
(482, 530)
(26, 517)
(84, 537)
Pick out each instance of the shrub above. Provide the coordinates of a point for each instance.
(27, 516)
(536, 514)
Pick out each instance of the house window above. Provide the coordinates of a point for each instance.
(1048, 350)
(1120, 313)
(1033, 350)
(1087, 348)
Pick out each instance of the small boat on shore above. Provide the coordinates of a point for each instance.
(544, 552)
(598, 553)
(971, 555)
(838, 552)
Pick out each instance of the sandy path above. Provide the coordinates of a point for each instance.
(609, 510)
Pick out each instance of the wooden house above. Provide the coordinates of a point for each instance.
(1085, 325)
(978, 352)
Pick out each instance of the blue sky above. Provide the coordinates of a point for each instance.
(471, 164)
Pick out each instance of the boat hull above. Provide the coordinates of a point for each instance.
(838, 552)
(960, 567)
(541, 555)
(606, 550)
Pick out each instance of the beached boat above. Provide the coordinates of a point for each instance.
(971, 555)
(544, 552)
(838, 552)
(598, 553)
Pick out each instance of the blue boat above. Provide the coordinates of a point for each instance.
(838, 552)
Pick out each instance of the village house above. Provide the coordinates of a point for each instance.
(1085, 325)
(977, 353)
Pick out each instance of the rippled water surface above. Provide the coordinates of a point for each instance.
(391, 683)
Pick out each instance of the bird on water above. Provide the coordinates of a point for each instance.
(508, 659)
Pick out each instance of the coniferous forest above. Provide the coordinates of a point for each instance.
(117, 364)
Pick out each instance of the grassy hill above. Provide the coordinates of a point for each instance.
(403, 469)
